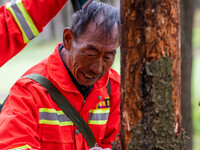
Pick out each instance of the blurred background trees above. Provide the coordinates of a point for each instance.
(45, 43)
(187, 17)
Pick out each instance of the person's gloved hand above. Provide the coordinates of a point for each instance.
(99, 148)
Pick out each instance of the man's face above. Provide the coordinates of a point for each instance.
(92, 54)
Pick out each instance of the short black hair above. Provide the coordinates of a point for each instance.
(91, 13)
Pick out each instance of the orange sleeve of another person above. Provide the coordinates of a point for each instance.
(21, 21)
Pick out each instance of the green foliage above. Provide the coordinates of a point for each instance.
(195, 101)
(196, 37)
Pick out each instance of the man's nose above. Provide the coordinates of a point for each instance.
(97, 66)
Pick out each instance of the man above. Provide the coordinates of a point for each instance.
(80, 69)
(21, 21)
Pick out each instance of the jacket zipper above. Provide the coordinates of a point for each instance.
(83, 103)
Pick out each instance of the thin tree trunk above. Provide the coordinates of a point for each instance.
(67, 13)
(116, 3)
(2, 2)
(47, 33)
(187, 14)
(59, 26)
(150, 46)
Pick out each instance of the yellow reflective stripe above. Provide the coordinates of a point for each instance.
(103, 110)
(66, 123)
(23, 20)
(96, 118)
(8, 6)
(107, 98)
(97, 122)
(21, 147)
(47, 110)
(56, 122)
(59, 112)
(27, 18)
(53, 122)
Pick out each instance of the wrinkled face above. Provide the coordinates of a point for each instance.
(91, 55)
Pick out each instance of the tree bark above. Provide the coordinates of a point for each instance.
(150, 36)
(187, 14)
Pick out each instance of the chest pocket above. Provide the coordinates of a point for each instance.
(55, 126)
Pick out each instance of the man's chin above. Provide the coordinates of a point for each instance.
(83, 80)
(86, 83)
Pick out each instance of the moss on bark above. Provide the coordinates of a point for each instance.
(156, 129)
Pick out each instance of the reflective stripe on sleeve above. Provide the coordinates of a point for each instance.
(23, 20)
(98, 116)
(20, 147)
(53, 117)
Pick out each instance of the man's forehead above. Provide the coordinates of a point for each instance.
(97, 32)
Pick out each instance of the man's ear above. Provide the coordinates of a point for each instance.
(68, 38)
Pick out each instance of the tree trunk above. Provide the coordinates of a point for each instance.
(151, 75)
(67, 13)
(187, 14)
(2, 2)
(59, 26)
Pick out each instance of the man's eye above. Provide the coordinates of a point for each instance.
(108, 57)
(90, 55)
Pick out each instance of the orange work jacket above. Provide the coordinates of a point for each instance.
(30, 119)
(21, 21)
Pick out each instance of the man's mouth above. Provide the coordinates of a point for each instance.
(88, 76)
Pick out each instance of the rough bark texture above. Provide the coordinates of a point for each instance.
(150, 31)
(187, 15)
(156, 129)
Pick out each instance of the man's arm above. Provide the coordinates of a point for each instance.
(19, 120)
(21, 21)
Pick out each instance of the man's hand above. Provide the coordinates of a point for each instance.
(99, 148)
